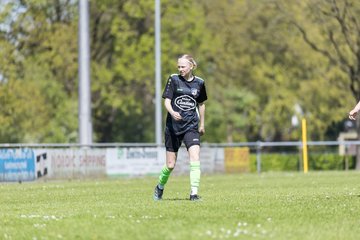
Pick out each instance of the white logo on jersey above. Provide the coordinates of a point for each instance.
(185, 103)
(194, 91)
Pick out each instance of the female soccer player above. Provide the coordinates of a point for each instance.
(184, 96)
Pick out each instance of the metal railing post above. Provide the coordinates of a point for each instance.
(258, 157)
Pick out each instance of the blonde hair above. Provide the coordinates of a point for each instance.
(190, 59)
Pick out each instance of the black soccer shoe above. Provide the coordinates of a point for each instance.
(158, 193)
(195, 197)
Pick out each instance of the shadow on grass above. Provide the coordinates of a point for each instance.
(175, 199)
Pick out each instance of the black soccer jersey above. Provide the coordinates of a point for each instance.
(185, 97)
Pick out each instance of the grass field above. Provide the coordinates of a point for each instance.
(317, 205)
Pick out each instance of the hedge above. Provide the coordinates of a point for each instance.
(293, 162)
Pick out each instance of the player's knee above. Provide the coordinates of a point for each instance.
(170, 165)
(194, 158)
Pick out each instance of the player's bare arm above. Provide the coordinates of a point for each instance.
(202, 118)
(354, 111)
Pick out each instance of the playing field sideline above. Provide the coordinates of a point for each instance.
(322, 205)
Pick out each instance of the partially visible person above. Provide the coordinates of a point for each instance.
(184, 96)
(353, 113)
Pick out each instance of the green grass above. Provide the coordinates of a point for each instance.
(317, 205)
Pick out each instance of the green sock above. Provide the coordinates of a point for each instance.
(195, 176)
(164, 176)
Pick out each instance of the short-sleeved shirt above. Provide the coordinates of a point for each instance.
(185, 97)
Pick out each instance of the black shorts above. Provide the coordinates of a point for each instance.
(173, 142)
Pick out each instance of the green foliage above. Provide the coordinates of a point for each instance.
(234, 117)
(122, 71)
(23, 112)
(276, 162)
(293, 162)
(329, 161)
(322, 41)
(39, 78)
(61, 110)
(258, 66)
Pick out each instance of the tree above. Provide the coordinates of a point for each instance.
(336, 38)
(260, 59)
(123, 68)
(40, 60)
(249, 54)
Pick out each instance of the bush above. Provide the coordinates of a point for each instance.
(293, 162)
(329, 161)
(276, 162)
